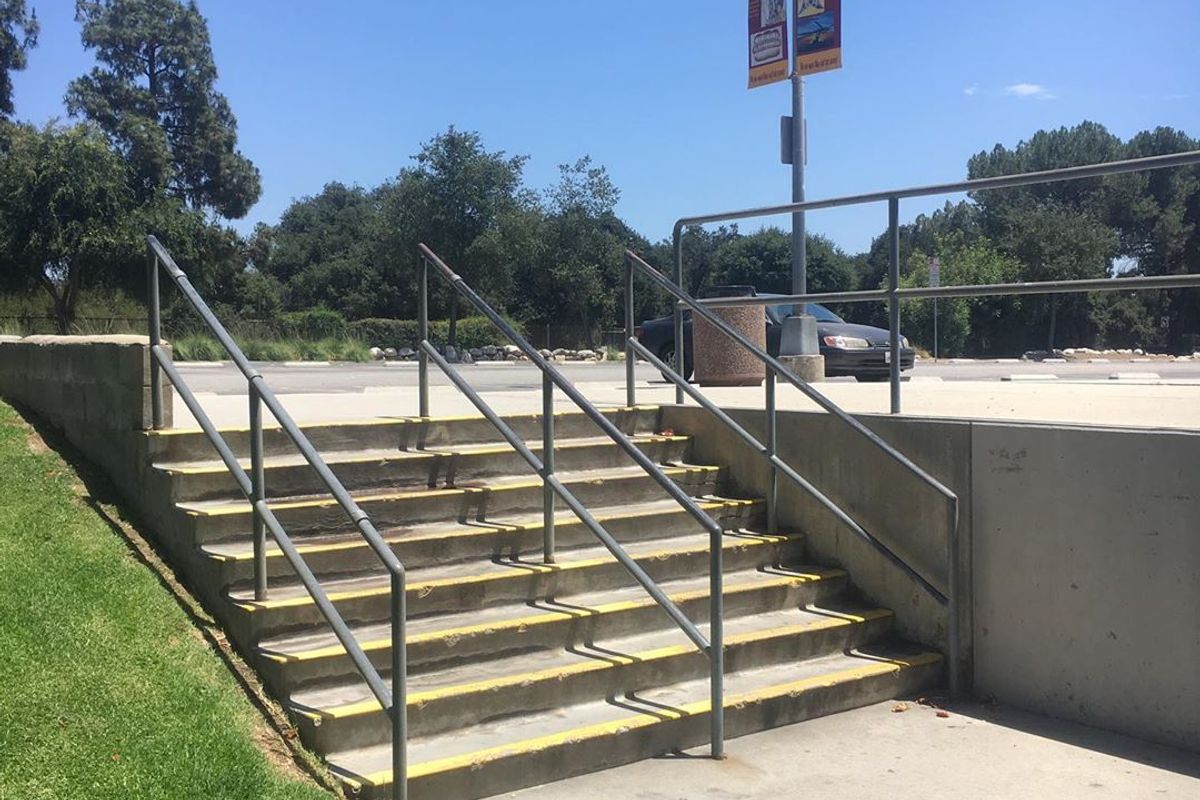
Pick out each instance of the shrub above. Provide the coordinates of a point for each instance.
(472, 332)
(317, 323)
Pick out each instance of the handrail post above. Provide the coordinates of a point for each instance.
(630, 356)
(894, 300)
(399, 709)
(154, 318)
(773, 480)
(547, 469)
(258, 491)
(953, 607)
(422, 336)
(680, 344)
(716, 644)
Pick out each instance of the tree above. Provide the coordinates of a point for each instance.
(578, 272)
(457, 193)
(18, 35)
(764, 260)
(63, 196)
(154, 96)
(974, 325)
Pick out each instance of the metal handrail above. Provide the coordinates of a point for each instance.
(775, 368)
(393, 700)
(893, 196)
(713, 647)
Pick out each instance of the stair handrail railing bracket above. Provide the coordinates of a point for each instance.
(713, 645)
(393, 700)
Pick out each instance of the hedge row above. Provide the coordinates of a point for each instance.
(472, 332)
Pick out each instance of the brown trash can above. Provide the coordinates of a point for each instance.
(719, 360)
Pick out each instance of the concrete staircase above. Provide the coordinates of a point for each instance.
(521, 673)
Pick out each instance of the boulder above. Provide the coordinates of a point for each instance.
(405, 352)
(376, 353)
(389, 352)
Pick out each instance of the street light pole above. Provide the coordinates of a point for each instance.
(799, 243)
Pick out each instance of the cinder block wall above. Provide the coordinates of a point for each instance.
(95, 389)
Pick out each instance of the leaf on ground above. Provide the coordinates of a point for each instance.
(899, 707)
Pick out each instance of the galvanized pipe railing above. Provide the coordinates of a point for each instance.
(775, 368)
(713, 647)
(894, 293)
(393, 700)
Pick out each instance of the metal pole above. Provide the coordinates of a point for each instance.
(423, 336)
(547, 469)
(799, 242)
(630, 356)
(155, 320)
(716, 644)
(399, 709)
(259, 491)
(953, 609)
(893, 299)
(680, 348)
(773, 481)
(935, 329)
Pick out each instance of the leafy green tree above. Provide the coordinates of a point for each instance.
(966, 326)
(154, 95)
(18, 35)
(63, 196)
(578, 273)
(764, 260)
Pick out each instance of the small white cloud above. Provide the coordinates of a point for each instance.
(1034, 90)
(971, 90)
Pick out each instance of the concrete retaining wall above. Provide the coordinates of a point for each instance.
(1081, 548)
(95, 389)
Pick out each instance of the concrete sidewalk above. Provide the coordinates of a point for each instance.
(1108, 403)
(979, 752)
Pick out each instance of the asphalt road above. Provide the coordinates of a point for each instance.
(316, 378)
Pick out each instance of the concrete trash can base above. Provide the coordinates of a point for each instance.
(719, 360)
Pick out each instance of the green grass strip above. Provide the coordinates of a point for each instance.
(107, 688)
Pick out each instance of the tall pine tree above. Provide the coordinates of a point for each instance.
(153, 93)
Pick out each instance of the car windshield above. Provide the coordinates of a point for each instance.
(819, 311)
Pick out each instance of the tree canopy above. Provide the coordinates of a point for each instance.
(154, 94)
(18, 34)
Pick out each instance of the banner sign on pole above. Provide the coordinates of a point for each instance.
(768, 42)
(935, 272)
(818, 36)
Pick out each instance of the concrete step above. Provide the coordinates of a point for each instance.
(513, 752)
(394, 433)
(348, 716)
(474, 585)
(289, 475)
(503, 535)
(207, 521)
(291, 662)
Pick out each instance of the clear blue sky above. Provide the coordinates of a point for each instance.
(655, 91)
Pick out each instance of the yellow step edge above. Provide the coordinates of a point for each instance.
(382, 421)
(374, 498)
(493, 529)
(479, 758)
(552, 616)
(521, 572)
(421, 455)
(371, 706)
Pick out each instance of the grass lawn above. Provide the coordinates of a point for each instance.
(107, 688)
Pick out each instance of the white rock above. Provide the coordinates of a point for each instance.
(467, 358)
(512, 350)
(389, 352)
(585, 355)
(376, 353)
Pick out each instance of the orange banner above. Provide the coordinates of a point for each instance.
(818, 36)
(768, 42)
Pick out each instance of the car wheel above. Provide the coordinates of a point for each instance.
(667, 356)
